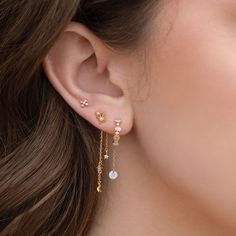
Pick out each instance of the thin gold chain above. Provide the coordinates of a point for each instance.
(106, 145)
(100, 165)
(114, 158)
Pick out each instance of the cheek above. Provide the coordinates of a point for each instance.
(188, 123)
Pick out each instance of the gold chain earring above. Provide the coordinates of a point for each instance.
(101, 119)
(116, 138)
(100, 163)
(106, 156)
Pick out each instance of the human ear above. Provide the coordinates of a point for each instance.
(87, 74)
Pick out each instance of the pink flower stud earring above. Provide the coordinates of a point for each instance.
(84, 103)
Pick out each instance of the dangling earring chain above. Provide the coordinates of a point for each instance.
(113, 174)
(106, 156)
(116, 138)
(100, 164)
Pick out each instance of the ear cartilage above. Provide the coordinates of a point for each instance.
(84, 102)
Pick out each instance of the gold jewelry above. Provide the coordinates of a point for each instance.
(100, 117)
(116, 138)
(100, 164)
(106, 156)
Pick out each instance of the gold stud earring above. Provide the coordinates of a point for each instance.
(100, 117)
(116, 138)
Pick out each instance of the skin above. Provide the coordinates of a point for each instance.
(177, 155)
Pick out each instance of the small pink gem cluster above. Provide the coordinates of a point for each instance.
(84, 103)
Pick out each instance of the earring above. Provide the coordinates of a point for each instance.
(100, 117)
(84, 103)
(116, 138)
(106, 156)
(100, 164)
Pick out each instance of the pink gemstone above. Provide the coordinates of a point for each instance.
(118, 129)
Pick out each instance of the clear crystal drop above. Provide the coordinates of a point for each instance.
(113, 174)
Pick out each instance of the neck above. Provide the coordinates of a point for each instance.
(139, 202)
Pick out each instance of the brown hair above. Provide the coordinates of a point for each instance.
(48, 159)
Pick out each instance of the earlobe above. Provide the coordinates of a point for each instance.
(77, 67)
